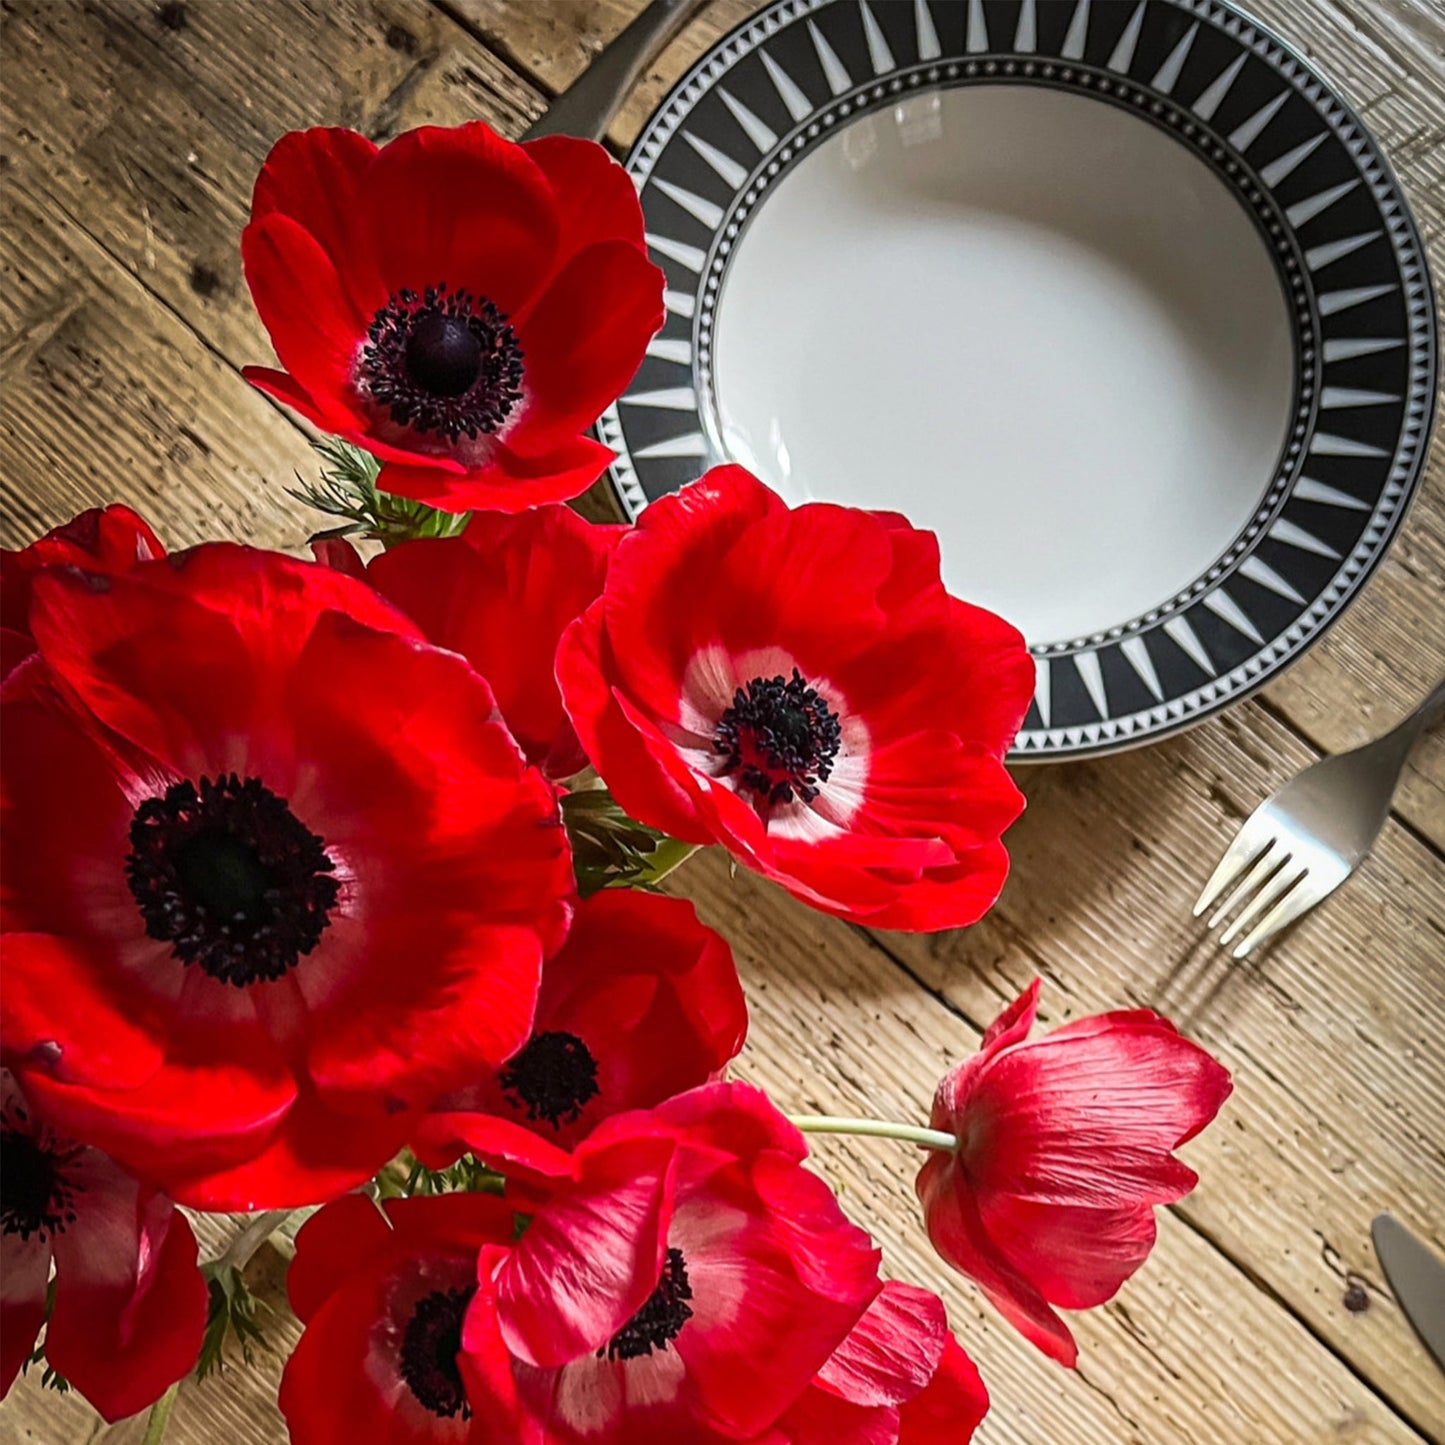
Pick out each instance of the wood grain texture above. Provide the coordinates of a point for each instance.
(130, 150)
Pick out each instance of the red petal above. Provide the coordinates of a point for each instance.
(476, 825)
(184, 656)
(329, 412)
(932, 785)
(15, 647)
(101, 539)
(315, 327)
(24, 1270)
(316, 1153)
(501, 596)
(338, 554)
(442, 1138)
(942, 898)
(589, 1260)
(321, 178)
(585, 672)
(820, 1418)
(982, 695)
(596, 200)
(335, 1245)
(123, 1347)
(1089, 1119)
(487, 1367)
(806, 1273)
(479, 214)
(951, 1408)
(66, 1001)
(327, 1394)
(951, 1214)
(583, 341)
(198, 1114)
(893, 1351)
(1078, 1258)
(1014, 1024)
(507, 483)
(737, 1119)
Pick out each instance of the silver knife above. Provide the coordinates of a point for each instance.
(1417, 1278)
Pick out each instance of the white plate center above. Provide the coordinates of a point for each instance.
(1029, 320)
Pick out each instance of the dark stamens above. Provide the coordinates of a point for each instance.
(429, 1351)
(230, 877)
(552, 1076)
(36, 1194)
(441, 363)
(781, 738)
(660, 1320)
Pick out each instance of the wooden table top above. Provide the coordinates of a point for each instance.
(132, 134)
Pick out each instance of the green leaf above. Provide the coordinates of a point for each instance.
(467, 1176)
(348, 490)
(233, 1311)
(51, 1379)
(611, 849)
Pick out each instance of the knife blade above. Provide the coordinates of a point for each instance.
(587, 106)
(1417, 1278)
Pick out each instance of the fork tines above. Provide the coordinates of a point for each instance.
(1262, 871)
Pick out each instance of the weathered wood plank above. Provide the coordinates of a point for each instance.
(1333, 1035)
(835, 1031)
(150, 137)
(105, 395)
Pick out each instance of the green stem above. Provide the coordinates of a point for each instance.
(874, 1128)
(669, 855)
(250, 1239)
(160, 1416)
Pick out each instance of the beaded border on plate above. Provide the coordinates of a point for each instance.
(1407, 251)
(1071, 77)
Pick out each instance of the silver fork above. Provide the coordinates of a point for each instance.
(1298, 846)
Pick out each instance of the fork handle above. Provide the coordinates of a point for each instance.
(1424, 716)
(587, 106)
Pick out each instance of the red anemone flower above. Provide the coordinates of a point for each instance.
(687, 1284)
(276, 877)
(130, 1304)
(900, 1378)
(382, 1293)
(457, 304)
(501, 595)
(1065, 1149)
(797, 685)
(103, 539)
(642, 1002)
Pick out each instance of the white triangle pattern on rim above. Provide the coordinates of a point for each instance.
(1365, 478)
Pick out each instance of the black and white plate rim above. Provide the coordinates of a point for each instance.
(1364, 315)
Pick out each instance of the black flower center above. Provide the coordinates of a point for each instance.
(443, 354)
(660, 1320)
(551, 1076)
(36, 1194)
(780, 737)
(230, 878)
(442, 364)
(429, 1350)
